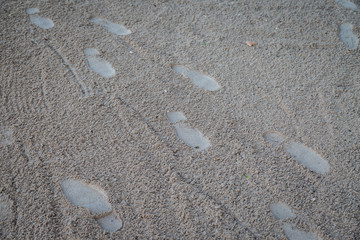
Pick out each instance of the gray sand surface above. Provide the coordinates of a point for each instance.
(88, 150)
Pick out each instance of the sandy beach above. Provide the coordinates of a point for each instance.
(203, 119)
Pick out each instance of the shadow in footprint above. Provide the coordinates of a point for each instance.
(111, 27)
(42, 22)
(190, 136)
(94, 199)
(299, 152)
(96, 64)
(200, 80)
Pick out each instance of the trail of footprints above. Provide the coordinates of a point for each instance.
(95, 199)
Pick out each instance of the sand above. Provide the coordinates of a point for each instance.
(103, 138)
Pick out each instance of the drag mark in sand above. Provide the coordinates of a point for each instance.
(93, 199)
(42, 22)
(200, 80)
(281, 211)
(348, 4)
(78, 82)
(190, 136)
(347, 36)
(96, 64)
(302, 154)
(111, 27)
(295, 234)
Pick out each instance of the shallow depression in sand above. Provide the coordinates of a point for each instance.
(348, 37)
(191, 137)
(86, 196)
(32, 10)
(176, 117)
(110, 223)
(98, 65)
(307, 157)
(348, 4)
(200, 80)
(94, 199)
(111, 27)
(281, 211)
(295, 234)
(5, 136)
(39, 21)
(6, 213)
(301, 153)
(273, 138)
(91, 52)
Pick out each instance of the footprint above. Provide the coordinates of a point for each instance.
(98, 65)
(348, 4)
(39, 21)
(200, 80)
(274, 138)
(111, 27)
(301, 153)
(176, 117)
(190, 136)
(281, 211)
(6, 213)
(347, 36)
(295, 234)
(6, 136)
(94, 199)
